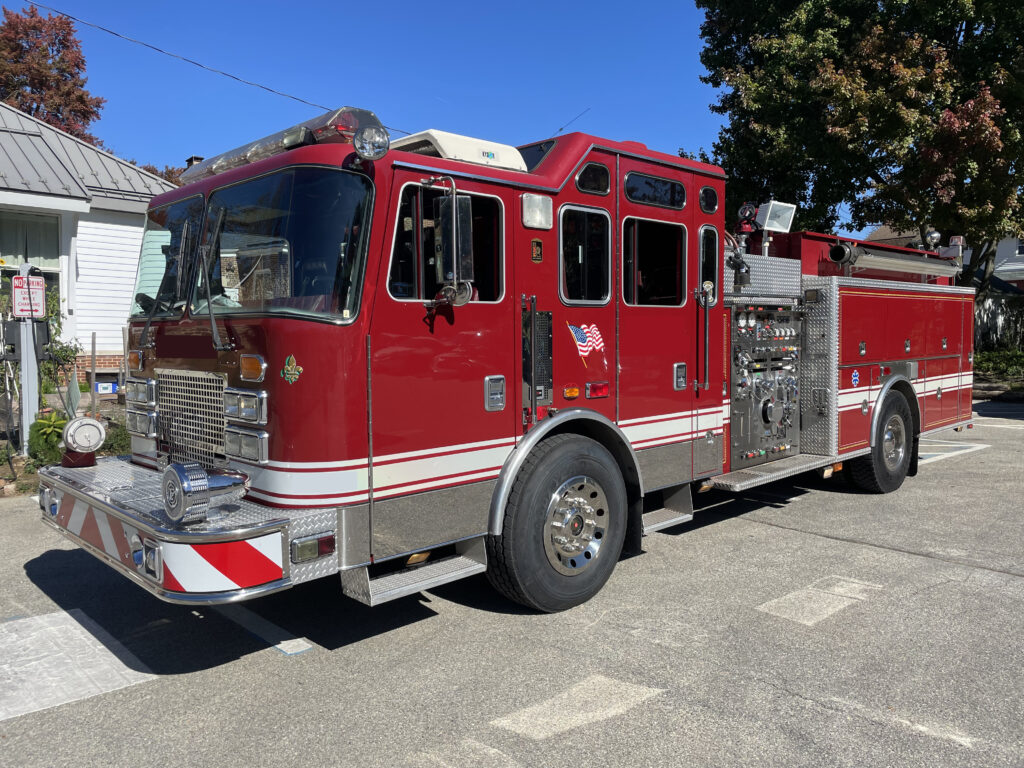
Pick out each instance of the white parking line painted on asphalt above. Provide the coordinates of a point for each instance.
(283, 641)
(937, 450)
(58, 658)
(596, 698)
(468, 753)
(820, 600)
(935, 731)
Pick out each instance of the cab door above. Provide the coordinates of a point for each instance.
(442, 418)
(658, 350)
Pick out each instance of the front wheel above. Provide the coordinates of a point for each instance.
(564, 526)
(885, 468)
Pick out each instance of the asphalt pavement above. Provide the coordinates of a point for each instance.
(800, 624)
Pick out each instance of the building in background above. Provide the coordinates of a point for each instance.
(77, 213)
(1009, 263)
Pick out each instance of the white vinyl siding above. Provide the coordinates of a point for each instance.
(108, 257)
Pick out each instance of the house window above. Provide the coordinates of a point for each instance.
(29, 239)
(1020, 247)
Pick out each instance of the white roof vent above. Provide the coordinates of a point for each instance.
(454, 147)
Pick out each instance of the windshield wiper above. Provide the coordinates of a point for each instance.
(144, 341)
(220, 346)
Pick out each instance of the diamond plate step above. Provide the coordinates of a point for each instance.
(678, 508)
(357, 584)
(657, 519)
(751, 477)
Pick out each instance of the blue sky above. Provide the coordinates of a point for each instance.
(513, 75)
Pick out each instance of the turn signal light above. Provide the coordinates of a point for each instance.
(598, 389)
(313, 547)
(251, 367)
(571, 393)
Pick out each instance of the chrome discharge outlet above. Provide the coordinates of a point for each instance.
(190, 491)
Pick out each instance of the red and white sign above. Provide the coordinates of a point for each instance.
(29, 298)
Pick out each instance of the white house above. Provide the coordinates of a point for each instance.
(77, 213)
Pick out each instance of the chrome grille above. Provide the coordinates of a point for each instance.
(190, 420)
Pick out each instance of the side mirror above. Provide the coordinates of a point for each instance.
(453, 246)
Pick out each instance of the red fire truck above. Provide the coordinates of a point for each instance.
(410, 362)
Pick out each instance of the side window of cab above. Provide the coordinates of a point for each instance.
(414, 272)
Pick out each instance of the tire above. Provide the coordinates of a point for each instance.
(885, 468)
(564, 526)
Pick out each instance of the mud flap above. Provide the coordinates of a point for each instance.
(912, 469)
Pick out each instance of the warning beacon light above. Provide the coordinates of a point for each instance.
(347, 125)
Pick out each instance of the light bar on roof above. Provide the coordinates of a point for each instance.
(336, 126)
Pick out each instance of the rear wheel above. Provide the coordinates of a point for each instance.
(564, 526)
(885, 468)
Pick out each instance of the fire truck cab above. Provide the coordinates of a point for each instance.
(410, 362)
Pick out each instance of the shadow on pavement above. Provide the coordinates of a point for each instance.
(999, 410)
(169, 639)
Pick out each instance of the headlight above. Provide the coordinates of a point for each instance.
(246, 445)
(141, 423)
(141, 391)
(371, 142)
(245, 405)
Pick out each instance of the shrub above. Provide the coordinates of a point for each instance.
(1005, 363)
(118, 442)
(44, 439)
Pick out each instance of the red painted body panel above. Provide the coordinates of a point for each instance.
(429, 427)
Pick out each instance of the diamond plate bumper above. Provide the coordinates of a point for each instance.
(113, 510)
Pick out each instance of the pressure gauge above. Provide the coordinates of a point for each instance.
(741, 319)
(751, 319)
(84, 435)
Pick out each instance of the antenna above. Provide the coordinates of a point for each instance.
(581, 114)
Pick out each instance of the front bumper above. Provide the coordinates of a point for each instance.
(241, 551)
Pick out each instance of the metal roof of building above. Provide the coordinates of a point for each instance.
(40, 159)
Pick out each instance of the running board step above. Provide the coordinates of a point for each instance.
(678, 508)
(357, 583)
(751, 477)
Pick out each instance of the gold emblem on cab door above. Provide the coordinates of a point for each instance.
(291, 370)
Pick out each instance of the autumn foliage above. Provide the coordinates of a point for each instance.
(900, 112)
(42, 72)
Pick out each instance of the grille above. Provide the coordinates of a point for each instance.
(190, 420)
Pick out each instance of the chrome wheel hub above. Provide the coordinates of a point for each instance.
(894, 442)
(577, 519)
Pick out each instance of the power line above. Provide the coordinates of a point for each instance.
(191, 61)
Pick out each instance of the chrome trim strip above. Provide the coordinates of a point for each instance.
(518, 456)
(554, 190)
(877, 407)
(865, 282)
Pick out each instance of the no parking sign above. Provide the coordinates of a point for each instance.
(29, 296)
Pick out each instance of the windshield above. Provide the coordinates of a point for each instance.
(161, 286)
(292, 241)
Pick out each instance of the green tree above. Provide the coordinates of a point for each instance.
(42, 72)
(903, 112)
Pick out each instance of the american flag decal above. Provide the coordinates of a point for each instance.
(587, 338)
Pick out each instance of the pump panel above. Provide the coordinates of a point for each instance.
(765, 384)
